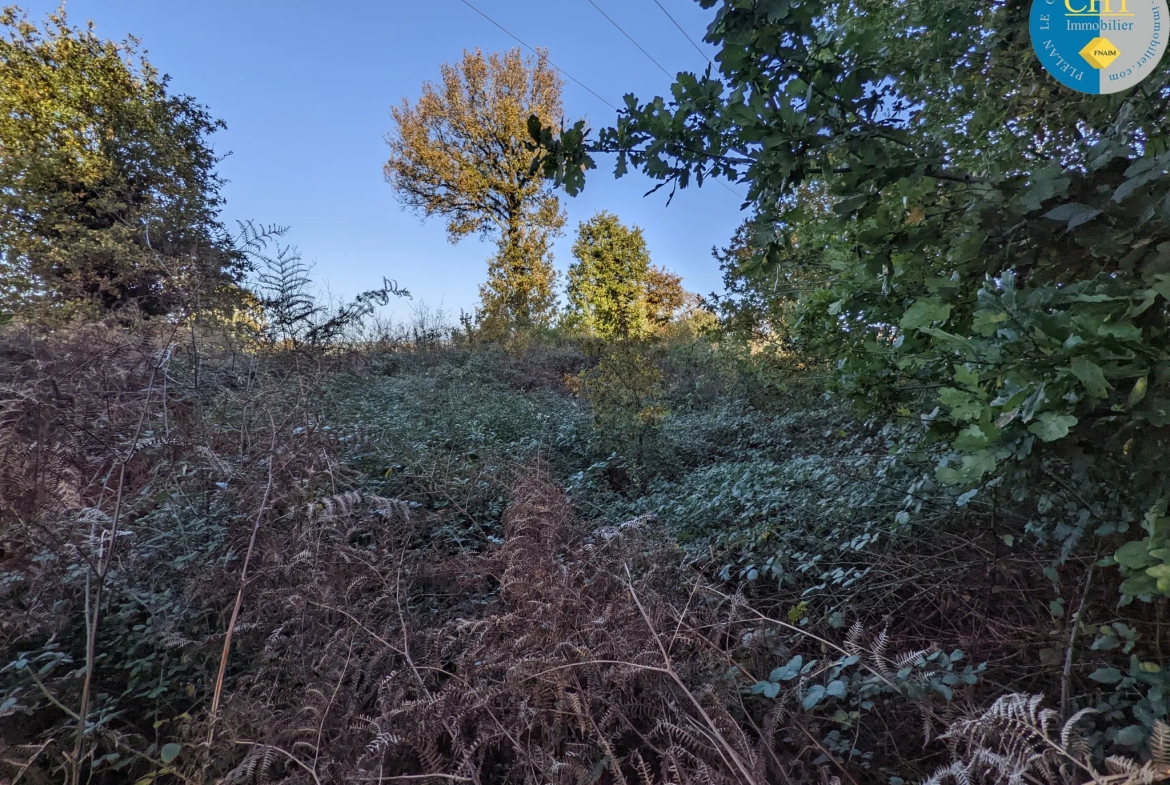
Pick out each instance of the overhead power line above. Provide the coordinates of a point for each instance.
(681, 30)
(660, 68)
(669, 75)
(578, 81)
(569, 76)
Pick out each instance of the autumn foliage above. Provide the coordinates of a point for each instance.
(462, 152)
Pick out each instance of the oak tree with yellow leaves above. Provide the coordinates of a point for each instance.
(462, 152)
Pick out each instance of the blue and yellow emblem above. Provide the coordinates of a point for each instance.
(1099, 46)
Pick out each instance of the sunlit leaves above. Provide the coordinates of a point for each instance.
(463, 152)
(108, 191)
(608, 280)
(924, 312)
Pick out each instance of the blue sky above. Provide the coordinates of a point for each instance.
(306, 90)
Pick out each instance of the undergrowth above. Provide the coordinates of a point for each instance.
(428, 560)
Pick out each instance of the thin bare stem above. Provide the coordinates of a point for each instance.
(103, 568)
(727, 750)
(227, 640)
(27, 764)
(332, 698)
(1066, 673)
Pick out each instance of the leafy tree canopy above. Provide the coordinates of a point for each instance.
(108, 191)
(461, 152)
(607, 283)
(614, 291)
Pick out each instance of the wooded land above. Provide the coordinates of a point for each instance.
(890, 508)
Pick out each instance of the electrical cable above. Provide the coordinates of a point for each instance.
(578, 81)
(550, 62)
(632, 41)
(684, 32)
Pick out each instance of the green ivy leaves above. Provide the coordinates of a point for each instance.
(818, 692)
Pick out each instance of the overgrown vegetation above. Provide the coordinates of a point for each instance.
(890, 509)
